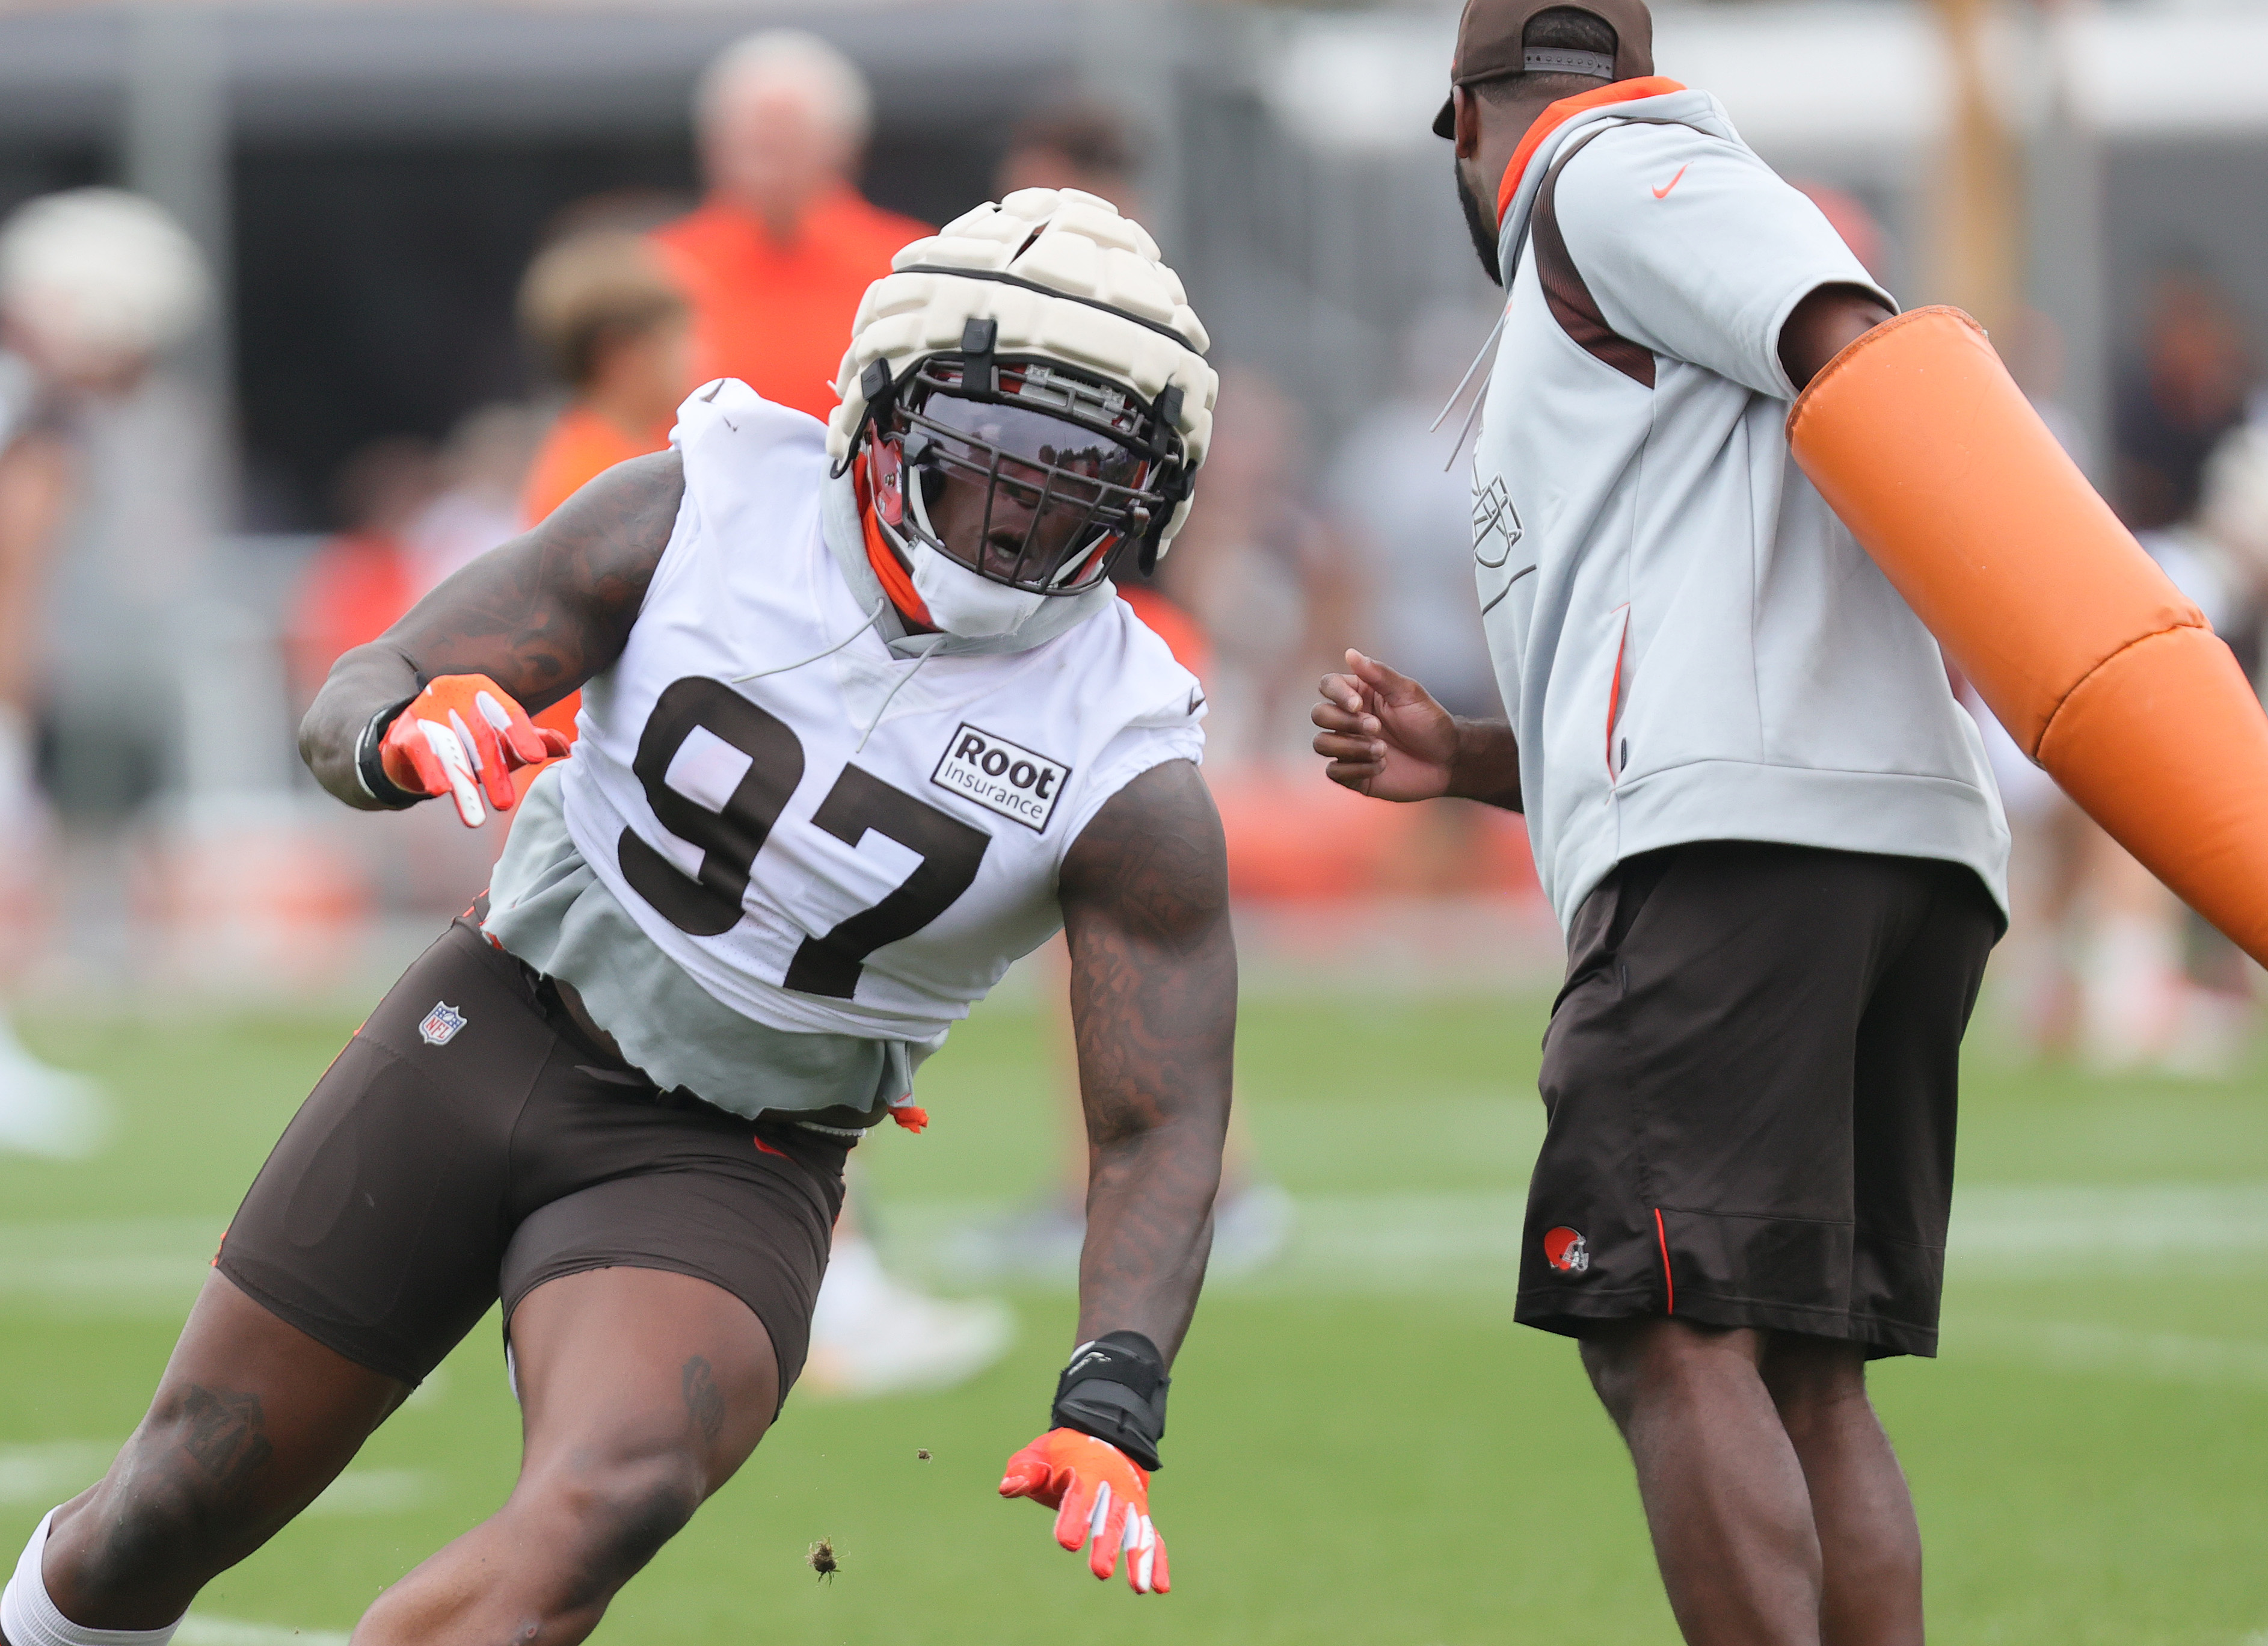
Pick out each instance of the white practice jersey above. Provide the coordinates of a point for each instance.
(856, 843)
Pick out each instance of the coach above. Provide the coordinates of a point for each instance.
(1763, 820)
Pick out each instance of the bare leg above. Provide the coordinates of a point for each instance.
(642, 1391)
(252, 1419)
(1869, 1542)
(1724, 1493)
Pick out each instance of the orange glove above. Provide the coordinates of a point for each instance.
(460, 728)
(1096, 1491)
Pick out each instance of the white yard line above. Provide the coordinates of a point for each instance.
(2137, 1228)
(197, 1629)
(1359, 1242)
(2086, 1347)
(373, 1492)
(128, 1267)
(1365, 1242)
(48, 1472)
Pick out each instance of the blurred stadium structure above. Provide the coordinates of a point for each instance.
(368, 181)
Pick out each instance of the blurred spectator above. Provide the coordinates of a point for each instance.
(355, 587)
(778, 256)
(2062, 867)
(359, 582)
(2031, 345)
(1087, 147)
(107, 471)
(1075, 145)
(773, 263)
(603, 314)
(1410, 522)
(609, 324)
(2233, 515)
(483, 465)
(1263, 572)
(2156, 987)
(633, 210)
(98, 284)
(35, 478)
(2187, 391)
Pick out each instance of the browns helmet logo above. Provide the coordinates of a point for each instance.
(1566, 1250)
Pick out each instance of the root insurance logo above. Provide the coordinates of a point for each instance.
(1002, 776)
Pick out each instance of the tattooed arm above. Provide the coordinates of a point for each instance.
(1145, 892)
(539, 615)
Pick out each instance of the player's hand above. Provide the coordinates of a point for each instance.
(1097, 1491)
(1383, 733)
(461, 734)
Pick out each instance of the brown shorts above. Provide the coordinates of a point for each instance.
(470, 1145)
(1750, 1081)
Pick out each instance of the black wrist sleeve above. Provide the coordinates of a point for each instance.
(372, 770)
(1114, 1389)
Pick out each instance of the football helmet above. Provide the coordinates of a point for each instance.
(1026, 394)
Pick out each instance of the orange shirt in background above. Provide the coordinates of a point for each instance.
(777, 315)
(353, 589)
(1183, 635)
(581, 446)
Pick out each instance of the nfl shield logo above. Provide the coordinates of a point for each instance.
(441, 1024)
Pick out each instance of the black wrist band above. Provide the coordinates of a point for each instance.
(1114, 1389)
(369, 769)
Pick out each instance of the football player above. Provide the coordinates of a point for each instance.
(862, 720)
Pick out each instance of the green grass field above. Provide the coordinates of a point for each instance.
(1364, 1448)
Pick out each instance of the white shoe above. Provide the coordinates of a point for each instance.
(47, 1112)
(1036, 1242)
(872, 1336)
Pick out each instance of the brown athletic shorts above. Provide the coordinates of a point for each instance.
(470, 1145)
(1750, 1083)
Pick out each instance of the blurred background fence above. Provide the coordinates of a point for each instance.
(367, 184)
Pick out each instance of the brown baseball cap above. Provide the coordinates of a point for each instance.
(1489, 46)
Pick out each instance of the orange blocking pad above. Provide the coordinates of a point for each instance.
(2098, 666)
(2167, 748)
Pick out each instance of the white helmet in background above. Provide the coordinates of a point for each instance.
(2233, 507)
(1041, 348)
(98, 278)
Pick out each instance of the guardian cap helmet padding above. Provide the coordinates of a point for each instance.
(1041, 348)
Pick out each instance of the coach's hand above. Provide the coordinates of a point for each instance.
(1383, 733)
(461, 734)
(1386, 737)
(1097, 1491)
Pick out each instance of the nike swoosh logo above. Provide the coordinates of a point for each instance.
(1662, 193)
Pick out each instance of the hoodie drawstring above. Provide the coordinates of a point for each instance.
(1480, 395)
(872, 617)
(904, 681)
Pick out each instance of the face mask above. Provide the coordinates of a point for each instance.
(962, 603)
